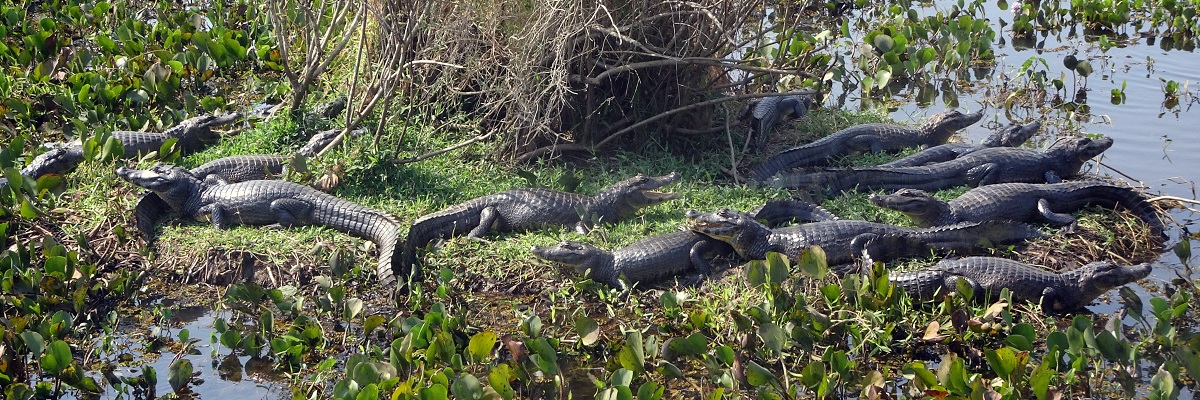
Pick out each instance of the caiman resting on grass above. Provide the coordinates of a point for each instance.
(766, 112)
(867, 137)
(1025, 202)
(272, 203)
(660, 257)
(519, 209)
(1011, 136)
(753, 240)
(987, 166)
(192, 134)
(1055, 292)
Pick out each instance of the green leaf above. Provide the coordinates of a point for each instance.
(466, 386)
(57, 357)
(650, 390)
(369, 392)
(353, 307)
(34, 342)
(1002, 360)
(756, 375)
(882, 77)
(543, 355)
(588, 330)
(1084, 68)
(756, 273)
(434, 392)
(1183, 249)
(28, 211)
(112, 150)
(632, 356)
(693, 345)
(777, 267)
(371, 323)
(180, 374)
(773, 337)
(622, 377)
(883, 42)
(669, 370)
(813, 263)
(481, 345)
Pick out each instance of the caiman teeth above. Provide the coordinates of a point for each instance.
(650, 194)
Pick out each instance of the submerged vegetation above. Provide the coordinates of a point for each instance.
(464, 99)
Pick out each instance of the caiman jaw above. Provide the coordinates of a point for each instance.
(658, 196)
(715, 225)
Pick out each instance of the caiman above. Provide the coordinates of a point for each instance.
(519, 209)
(1011, 136)
(1025, 202)
(987, 276)
(273, 203)
(660, 257)
(766, 112)
(986, 166)
(192, 134)
(753, 240)
(868, 137)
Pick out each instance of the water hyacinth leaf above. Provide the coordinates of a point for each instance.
(180, 374)
(621, 377)
(544, 355)
(757, 375)
(587, 329)
(436, 391)
(499, 379)
(1183, 249)
(532, 326)
(813, 263)
(481, 345)
(756, 273)
(372, 322)
(369, 392)
(650, 391)
(57, 357)
(34, 342)
(1003, 361)
(466, 386)
(883, 42)
(777, 267)
(353, 307)
(1162, 386)
(772, 336)
(1084, 68)
(1112, 348)
(669, 370)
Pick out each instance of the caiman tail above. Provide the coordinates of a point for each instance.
(789, 159)
(366, 223)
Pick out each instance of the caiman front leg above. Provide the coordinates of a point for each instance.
(216, 214)
(866, 143)
(697, 255)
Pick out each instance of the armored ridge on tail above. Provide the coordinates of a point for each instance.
(518, 209)
(660, 257)
(867, 137)
(982, 167)
(1024, 202)
(275, 203)
(987, 276)
(1011, 136)
(753, 240)
(249, 167)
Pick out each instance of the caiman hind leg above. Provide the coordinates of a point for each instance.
(488, 221)
(984, 174)
(866, 143)
(290, 212)
(1058, 219)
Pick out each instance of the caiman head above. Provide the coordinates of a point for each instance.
(576, 254)
(737, 228)
(195, 132)
(175, 185)
(1082, 148)
(1012, 135)
(921, 207)
(1094, 280)
(625, 197)
(951, 121)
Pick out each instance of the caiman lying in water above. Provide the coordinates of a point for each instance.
(660, 257)
(867, 137)
(1011, 136)
(987, 276)
(265, 202)
(753, 240)
(987, 166)
(1025, 202)
(519, 209)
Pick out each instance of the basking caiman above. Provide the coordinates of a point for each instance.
(659, 257)
(867, 137)
(982, 167)
(250, 167)
(1068, 291)
(193, 135)
(1011, 136)
(1025, 202)
(764, 113)
(518, 209)
(272, 203)
(753, 240)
